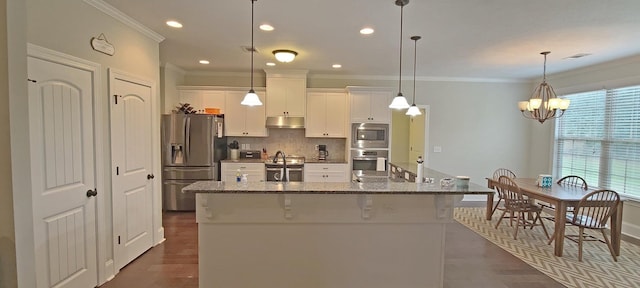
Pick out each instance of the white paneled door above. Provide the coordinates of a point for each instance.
(132, 166)
(63, 173)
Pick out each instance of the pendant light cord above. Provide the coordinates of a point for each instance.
(400, 74)
(253, 48)
(415, 57)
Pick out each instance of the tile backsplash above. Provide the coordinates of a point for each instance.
(293, 142)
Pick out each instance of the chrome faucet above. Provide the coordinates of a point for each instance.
(284, 165)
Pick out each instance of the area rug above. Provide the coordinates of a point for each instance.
(597, 269)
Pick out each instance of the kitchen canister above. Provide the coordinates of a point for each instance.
(462, 182)
(544, 180)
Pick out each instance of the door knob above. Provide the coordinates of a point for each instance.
(92, 193)
(150, 176)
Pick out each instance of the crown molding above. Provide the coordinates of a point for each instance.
(118, 15)
(174, 68)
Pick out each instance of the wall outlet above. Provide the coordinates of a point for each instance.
(437, 149)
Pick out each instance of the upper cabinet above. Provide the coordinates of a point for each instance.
(370, 104)
(326, 113)
(240, 120)
(199, 98)
(286, 92)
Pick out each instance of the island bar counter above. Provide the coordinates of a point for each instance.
(312, 235)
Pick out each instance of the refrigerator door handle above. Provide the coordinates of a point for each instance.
(187, 136)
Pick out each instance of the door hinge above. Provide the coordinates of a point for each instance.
(117, 170)
(115, 98)
(118, 240)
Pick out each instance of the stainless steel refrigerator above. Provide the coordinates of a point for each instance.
(192, 147)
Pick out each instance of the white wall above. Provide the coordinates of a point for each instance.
(172, 76)
(8, 276)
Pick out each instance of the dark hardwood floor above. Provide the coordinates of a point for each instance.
(470, 261)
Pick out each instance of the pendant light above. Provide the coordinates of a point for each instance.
(252, 99)
(414, 110)
(399, 102)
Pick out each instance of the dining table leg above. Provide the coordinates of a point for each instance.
(560, 220)
(489, 212)
(616, 229)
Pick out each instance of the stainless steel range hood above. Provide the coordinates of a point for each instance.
(285, 122)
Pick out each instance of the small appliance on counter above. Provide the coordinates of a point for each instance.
(322, 152)
(250, 154)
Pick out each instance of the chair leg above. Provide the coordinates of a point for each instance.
(495, 207)
(553, 237)
(515, 232)
(538, 218)
(580, 239)
(606, 240)
(500, 219)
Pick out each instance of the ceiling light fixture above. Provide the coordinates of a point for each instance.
(284, 55)
(414, 110)
(174, 24)
(543, 104)
(251, 99)
(266, 27)
(336, 66)
(399, 102)
(204, 62)
(366, 31)
(271, 64)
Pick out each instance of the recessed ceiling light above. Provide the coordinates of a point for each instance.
(271, 64)
(204, 62)
(336, 66)
(366, 31)
(266, 27)
(174, 24)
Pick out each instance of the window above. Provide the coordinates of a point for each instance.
(598, 138)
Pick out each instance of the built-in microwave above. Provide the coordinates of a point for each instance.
(369, 160)
(369, 135)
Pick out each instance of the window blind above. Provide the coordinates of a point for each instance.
(598, 138)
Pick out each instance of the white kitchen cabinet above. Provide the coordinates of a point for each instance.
(326, 172)
(240, 120)
(370, 105)
(255, 171)
(326, 114)
(199, 99)
(286, 93)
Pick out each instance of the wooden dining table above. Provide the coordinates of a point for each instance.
(560, 196)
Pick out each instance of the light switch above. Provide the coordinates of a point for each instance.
(437, 149)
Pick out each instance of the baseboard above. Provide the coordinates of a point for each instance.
(160, 236)
(110, 271)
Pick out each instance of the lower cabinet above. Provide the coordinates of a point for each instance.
(254, 171)
(322, 172)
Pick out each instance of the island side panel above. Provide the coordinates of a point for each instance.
(306, 240)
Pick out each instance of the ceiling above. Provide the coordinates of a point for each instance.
(482, 39)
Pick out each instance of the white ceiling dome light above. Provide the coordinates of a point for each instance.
(284, 55)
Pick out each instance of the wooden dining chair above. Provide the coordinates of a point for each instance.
(517, 206)
(570, 180)
(496, 175)
(592, 212)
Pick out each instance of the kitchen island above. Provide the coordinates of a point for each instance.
(302, 234)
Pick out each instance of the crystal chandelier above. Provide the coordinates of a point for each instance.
(544, 104)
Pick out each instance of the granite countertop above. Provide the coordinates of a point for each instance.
(386, 187)
(243, 161)
(328, 161)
